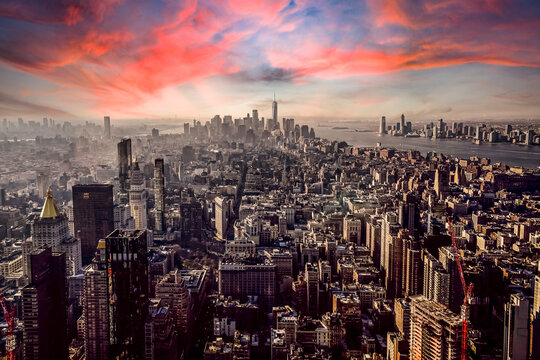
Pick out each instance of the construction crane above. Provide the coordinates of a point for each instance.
(9, 316)
(467, 295)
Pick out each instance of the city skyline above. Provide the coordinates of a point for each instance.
(340, 60)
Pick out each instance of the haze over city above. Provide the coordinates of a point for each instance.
(461, 60)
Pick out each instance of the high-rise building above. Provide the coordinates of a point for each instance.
(107, 127)
(312, 280)
(435, 331)
(535, 318)
(93, 216)
(44, 311)
(455, 292)
(352, 229)
(96, 307)
(191, 212)
(124, 165)
(51, 229)
(274, 114)
(161, 338)
(127, 268)
(42, 183)
(394, 271)
(245, 277)
(159, 195)
(137, 198)
(186, 129)
(223, 212)
(414, 267)
(442, 182)
(402, 124)
(382, 125)
(436, 280)
(516, 328)
(173, 292)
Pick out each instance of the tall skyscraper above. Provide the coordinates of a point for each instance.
(382, 125)
(274, 113)
(44, 311)
(402, 124)
(312, 280)
(394, 271)
(107, 127)
(159, 193)
(96, 307)
(516, 328)
(116, 297)
(435, 331)
(223, 211)
(51, 229)
(137, 198)
(124, 165)
(127, 268)
(93, 216)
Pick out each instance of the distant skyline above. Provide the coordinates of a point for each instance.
(462, 60)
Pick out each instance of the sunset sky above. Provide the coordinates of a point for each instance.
(324, 59)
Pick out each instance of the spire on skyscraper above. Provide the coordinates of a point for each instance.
(49, 207)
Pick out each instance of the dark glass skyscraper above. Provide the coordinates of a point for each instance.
(93, 216)
(124, 164)
(127, 268)
(45, 307)
(116, 297)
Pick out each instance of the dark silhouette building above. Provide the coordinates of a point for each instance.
(44, 302)
(93, 216)
(127, 266)
(124, 164)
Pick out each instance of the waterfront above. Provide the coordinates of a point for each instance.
(510, 154)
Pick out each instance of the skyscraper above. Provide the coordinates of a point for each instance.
(312, 280)
(535, 318)
(382, 125)
(124, 165)
(44, 311)
(402, 124)
(107, 127)
(516, 328)
(127, 268)
(51, 229)
(93, 216)
(274, 113)
(435, 331)
(222, 216)
(96, 307)
(159, 190)
(137, 198)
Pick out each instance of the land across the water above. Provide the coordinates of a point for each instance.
(507, 153)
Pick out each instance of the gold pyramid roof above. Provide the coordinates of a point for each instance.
(49, 208)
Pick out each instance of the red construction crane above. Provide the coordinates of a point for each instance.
(467, 294)
(9, 316)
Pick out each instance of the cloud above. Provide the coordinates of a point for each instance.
(11, 106)
(119, 54)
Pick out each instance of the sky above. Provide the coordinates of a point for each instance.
(327, 59)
